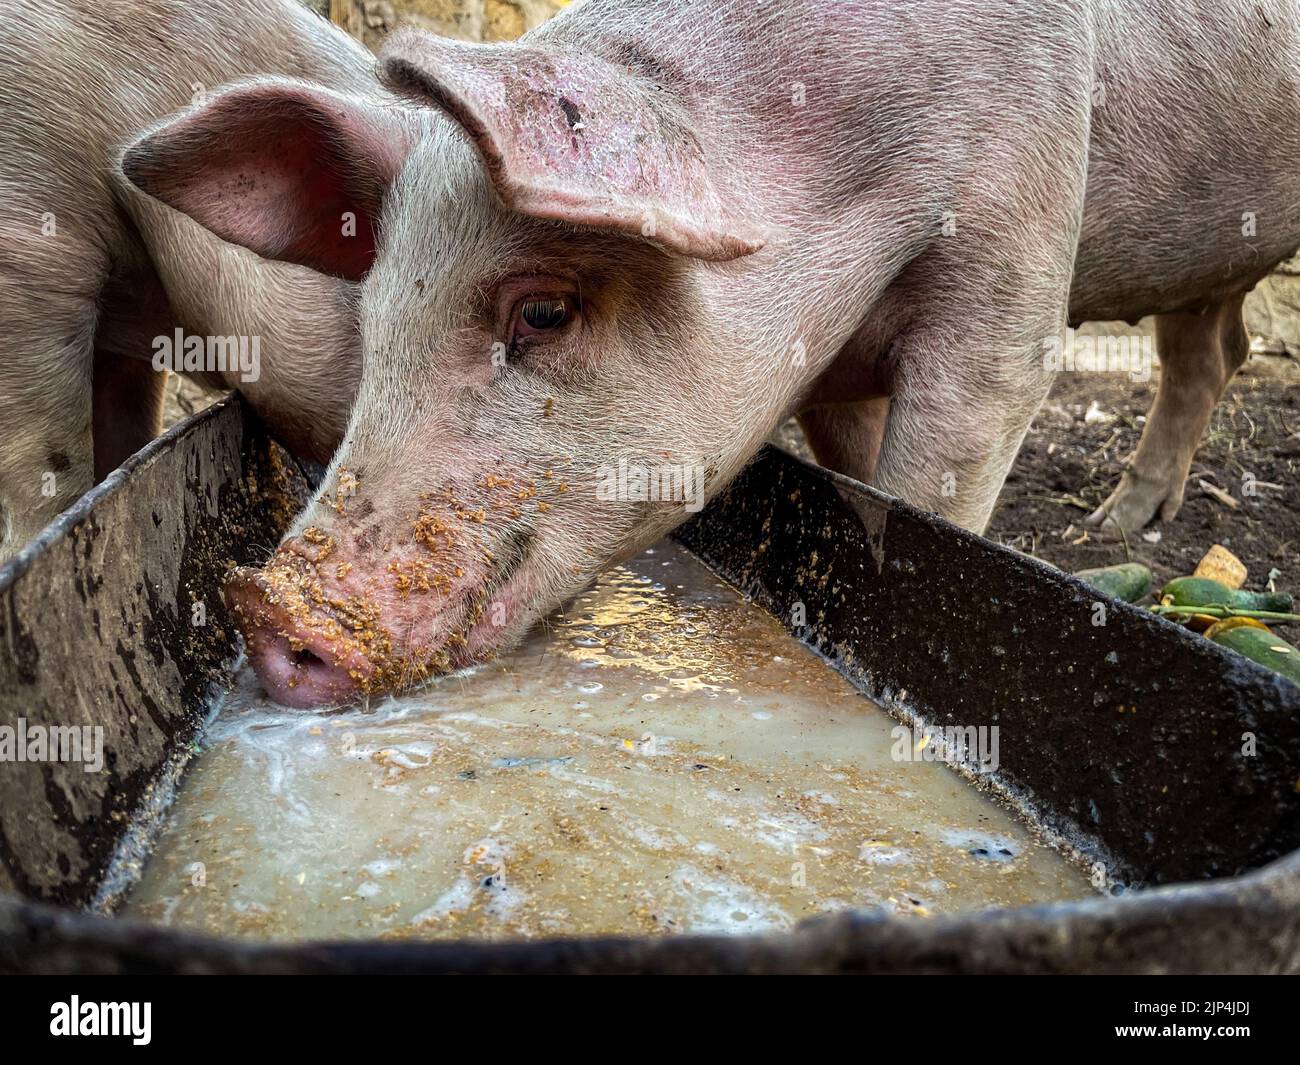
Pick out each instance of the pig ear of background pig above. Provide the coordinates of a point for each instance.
(574, 138)
(277, 168)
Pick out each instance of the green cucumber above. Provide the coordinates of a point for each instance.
(1262, 646)
(1202, 591)
(1128, 581)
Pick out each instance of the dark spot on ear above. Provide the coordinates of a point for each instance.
(571, 112)
(59, 462)
(363, 509)
(651, 68)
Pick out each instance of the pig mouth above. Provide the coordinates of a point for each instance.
(483, 635)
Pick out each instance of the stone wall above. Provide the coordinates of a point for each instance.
(468, 20)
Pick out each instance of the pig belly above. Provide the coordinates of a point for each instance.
(1192, 192)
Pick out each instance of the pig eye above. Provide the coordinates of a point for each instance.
(542, 316)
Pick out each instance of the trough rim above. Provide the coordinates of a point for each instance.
(838, 942)
(1232, 661)
(84, 505)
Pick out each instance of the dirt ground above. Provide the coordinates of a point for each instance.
(1069, 463)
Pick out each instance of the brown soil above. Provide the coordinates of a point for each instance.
(184, 397)
(1068, 465)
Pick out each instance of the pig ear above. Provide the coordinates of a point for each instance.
(577, 139)
(292, 172)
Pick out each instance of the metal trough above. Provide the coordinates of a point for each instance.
(1124, 739)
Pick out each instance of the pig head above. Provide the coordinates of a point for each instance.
(552, 372)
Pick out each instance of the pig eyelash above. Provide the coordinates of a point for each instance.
(544, 315)
(537, 317)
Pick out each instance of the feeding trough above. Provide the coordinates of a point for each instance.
(1166, 766)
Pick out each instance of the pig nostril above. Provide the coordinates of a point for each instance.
(306, 659)
(293, 672)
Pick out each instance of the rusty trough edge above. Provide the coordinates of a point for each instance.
(112, 619)
(80, 510)
(1249, 925)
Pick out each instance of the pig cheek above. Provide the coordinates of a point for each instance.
(504, 617)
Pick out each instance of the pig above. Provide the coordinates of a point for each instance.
(95, 276)
(646, 233)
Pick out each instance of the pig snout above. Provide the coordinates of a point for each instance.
(298, 653)
(363, 608)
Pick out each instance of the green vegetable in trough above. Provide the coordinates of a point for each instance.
(1201, 591)
(1262, 646)
(1128, 581)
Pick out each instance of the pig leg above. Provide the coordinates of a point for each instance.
(847, 438)
(1198, 354)
(956, 423)
(128, 408)
(45, 405)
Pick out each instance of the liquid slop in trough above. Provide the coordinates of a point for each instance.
(660, 757)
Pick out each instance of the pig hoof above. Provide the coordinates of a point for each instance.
(1132, 506)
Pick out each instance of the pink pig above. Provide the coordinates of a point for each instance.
(647, 233)
(96, 278)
